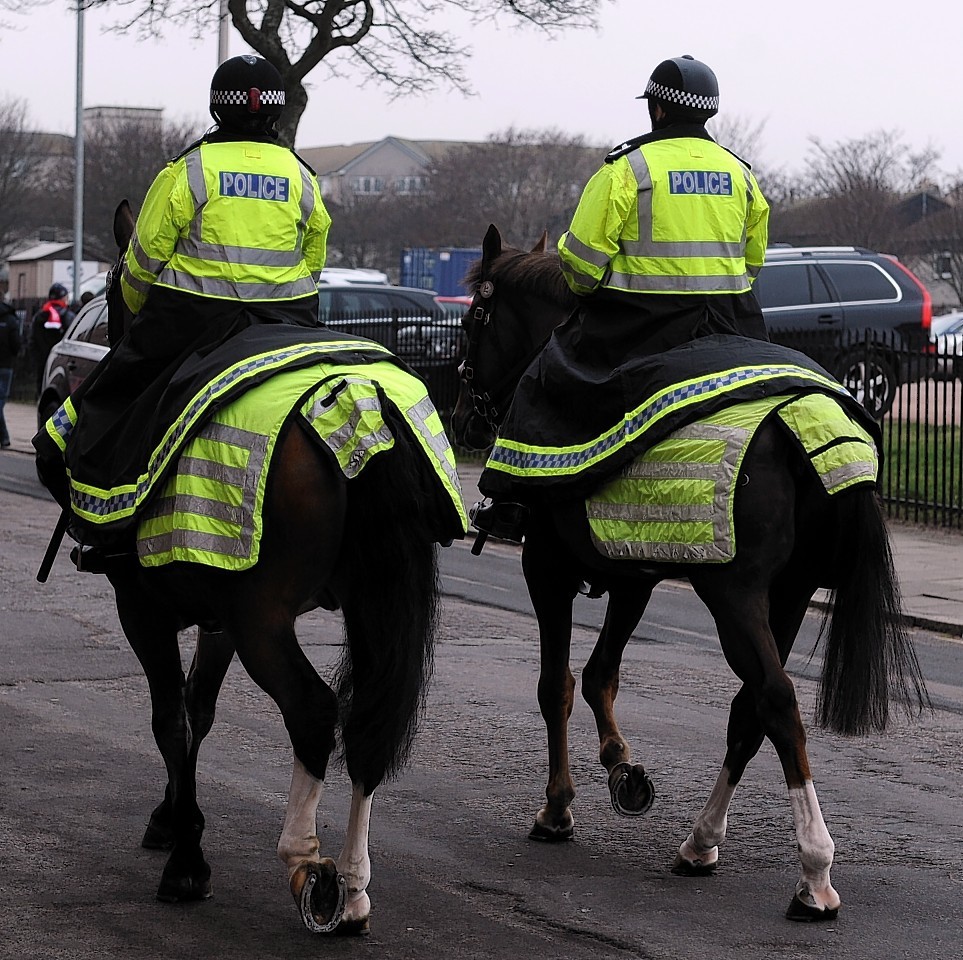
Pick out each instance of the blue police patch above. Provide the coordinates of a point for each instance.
(256, 186)
(718, 183)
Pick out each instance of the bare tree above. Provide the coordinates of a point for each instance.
(741, 135)
(20, 175)
(525, 181)
(395, 43)
(859, 181)
(121, 159)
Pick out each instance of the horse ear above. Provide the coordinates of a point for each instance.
(492, 244)
(123, 225)
(542, 244)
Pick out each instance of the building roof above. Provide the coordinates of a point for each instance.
(40, 251)
(340, 158)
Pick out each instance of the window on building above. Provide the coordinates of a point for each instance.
(370, 186)
(408, 185)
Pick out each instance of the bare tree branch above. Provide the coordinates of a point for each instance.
(395, 43)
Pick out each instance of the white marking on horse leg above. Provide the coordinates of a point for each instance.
(816, 849)
(299, 836)
(701, 847)
(353, 862)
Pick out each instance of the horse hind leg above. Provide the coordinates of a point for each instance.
(316, 884)
(751, 650)
(630, 788)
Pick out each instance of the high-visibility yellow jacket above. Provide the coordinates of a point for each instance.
(233, 220)
(674, 215)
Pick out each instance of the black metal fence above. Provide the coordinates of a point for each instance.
(915, 392)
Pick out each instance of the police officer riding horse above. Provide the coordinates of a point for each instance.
(663, 248)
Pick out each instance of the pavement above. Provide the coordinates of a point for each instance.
(929, 560)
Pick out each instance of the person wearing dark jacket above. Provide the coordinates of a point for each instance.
(9, 348)
(49, 325)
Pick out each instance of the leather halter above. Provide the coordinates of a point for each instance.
(490, 405)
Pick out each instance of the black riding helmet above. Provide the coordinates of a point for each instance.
(685, 88)
(247, 93)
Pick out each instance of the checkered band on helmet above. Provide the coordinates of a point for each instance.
(239, 98)
(246, 88)
(686, 83)
(695, 100)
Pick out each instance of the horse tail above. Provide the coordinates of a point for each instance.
(390, 609)
(868, 658)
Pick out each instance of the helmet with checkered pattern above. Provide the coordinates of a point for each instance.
(247, 94)
(685, 88)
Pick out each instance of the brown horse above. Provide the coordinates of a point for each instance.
(325, 541)
(792, 540)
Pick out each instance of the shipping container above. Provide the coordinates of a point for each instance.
(441, 269)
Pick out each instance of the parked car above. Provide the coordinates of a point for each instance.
(407, 320)
(859, 313)
(343, 275)
(946, 338)
(72, 359)
(454, 306)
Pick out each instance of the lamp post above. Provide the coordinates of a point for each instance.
(79, 157)
(223, 19)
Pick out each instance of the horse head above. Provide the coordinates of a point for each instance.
(518, 298)
(118, 314)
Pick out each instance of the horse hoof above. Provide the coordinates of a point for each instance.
(353, 928)
(688, 868)
(631, 789)
(551, 834)
(320, 892)
(803, 912)
(185, 888)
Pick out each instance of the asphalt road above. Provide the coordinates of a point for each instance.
(453, 872)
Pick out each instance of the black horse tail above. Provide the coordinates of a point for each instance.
(868, 658)
(390, 612)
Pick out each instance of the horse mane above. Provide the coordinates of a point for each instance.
(539, 274)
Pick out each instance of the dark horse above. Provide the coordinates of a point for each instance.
(324, 541)
(792, 540)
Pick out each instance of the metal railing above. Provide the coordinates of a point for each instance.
(913, 389)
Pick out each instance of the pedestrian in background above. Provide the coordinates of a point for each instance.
(50, 323)
(9, 348)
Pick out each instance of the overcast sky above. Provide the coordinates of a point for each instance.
(826, 68)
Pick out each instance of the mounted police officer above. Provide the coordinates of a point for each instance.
(233, 232)
(663, 248)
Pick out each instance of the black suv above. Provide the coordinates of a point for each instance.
(862, 315)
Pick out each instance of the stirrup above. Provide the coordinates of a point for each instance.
(500, 518)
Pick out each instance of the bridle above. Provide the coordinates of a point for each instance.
(490, 404)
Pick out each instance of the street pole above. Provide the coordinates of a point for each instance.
(79, 157)
(222, 27)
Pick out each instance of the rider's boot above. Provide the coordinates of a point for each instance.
(95, 559)
(500, 518)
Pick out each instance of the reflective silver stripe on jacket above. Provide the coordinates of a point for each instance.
(663, 283)
(584, 252)
(646, 247)
(216, 287)
(194, 246)
(245, 479)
